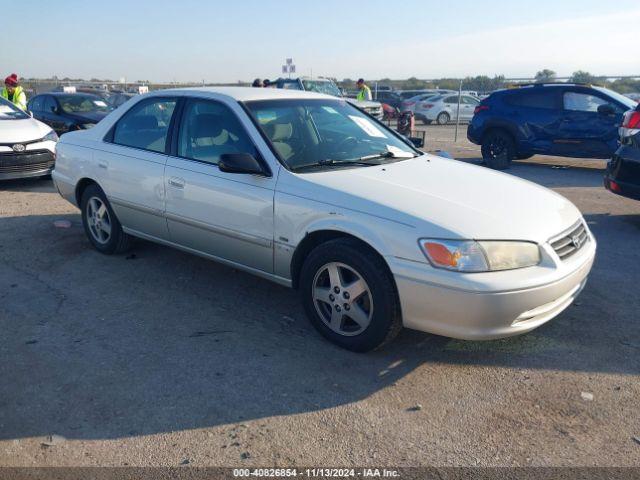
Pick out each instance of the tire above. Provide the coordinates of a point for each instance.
(498, 149)
(376, 309)
(101, 224)
(443, 118)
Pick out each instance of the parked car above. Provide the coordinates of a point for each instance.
(117, 99)
(27, 146)
(388, 97)
(409, 104)
(406, 94)
(623, 170)
(308, 191)
(444, 108)
(568, 120)
(328, 87)
(66, 112)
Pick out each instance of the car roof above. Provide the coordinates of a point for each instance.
(60, 94)
(244, 94)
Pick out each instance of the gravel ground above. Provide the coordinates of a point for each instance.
(161, 358)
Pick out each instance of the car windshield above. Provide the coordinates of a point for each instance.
(74, 103)
(322, 133)
(626, 101)
(8, 111)
(319, 86)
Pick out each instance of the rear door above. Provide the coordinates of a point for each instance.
(131, 165)
(451, 105)
(468, 106)
(535, 112)
(584, 132)
(226, 215)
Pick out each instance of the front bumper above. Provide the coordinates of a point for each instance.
(485, 315)
(31, 163)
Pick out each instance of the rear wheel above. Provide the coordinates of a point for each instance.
(498, 149)
(101, 224)
(350, 296)
(443, 118)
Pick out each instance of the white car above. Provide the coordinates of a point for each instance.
(306, 190)
(27, 146)
(444, 109)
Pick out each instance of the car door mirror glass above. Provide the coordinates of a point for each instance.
(240, 163)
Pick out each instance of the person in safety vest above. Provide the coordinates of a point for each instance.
(14, 92)
(364, 92)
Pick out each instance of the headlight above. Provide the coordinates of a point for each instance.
(50, 137)
(87, 126)
(480, 256)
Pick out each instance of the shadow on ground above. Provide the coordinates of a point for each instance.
(157, 340)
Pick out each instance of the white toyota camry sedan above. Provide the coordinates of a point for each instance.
(308, 191)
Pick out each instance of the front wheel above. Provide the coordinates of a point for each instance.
(101, 224)
(350, 296)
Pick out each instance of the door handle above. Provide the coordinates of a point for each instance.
(176, 182)
(104, 165)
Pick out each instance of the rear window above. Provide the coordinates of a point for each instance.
(542, 99)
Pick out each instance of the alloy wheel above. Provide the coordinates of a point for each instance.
(98, 220)
(342, 299)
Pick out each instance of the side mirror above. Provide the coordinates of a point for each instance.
(606, 109)
(240, 163)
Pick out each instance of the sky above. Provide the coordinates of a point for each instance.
(227, 41)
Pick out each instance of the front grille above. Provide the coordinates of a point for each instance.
(26, 162)
(571, 241)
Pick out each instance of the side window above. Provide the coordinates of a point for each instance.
(582, 102)
(451, 100)
(210, 129)
(146, 125)
(49, 104)
(530, 99)
(36, 104)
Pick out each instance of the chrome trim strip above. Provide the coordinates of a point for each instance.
(269, 276)
(566, 232)
(245, 237)
(136, 206)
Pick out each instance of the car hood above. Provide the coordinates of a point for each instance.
(443, 198)
(24, 130)
(89, 117)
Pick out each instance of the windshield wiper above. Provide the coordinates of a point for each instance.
(336, 163)
(385, 154)
(363, 161)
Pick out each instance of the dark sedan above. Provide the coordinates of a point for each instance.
(66, 112)
(623, 170)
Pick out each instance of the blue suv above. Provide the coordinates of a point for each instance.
(563, 119)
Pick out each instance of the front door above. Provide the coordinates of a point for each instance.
(584, 132)
(52, 115)
(229, 216)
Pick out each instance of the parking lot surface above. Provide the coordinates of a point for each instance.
(157, 357)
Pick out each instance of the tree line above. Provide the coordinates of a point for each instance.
(483, 83)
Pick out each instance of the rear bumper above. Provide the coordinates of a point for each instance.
(478, 315)
(25, 165)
